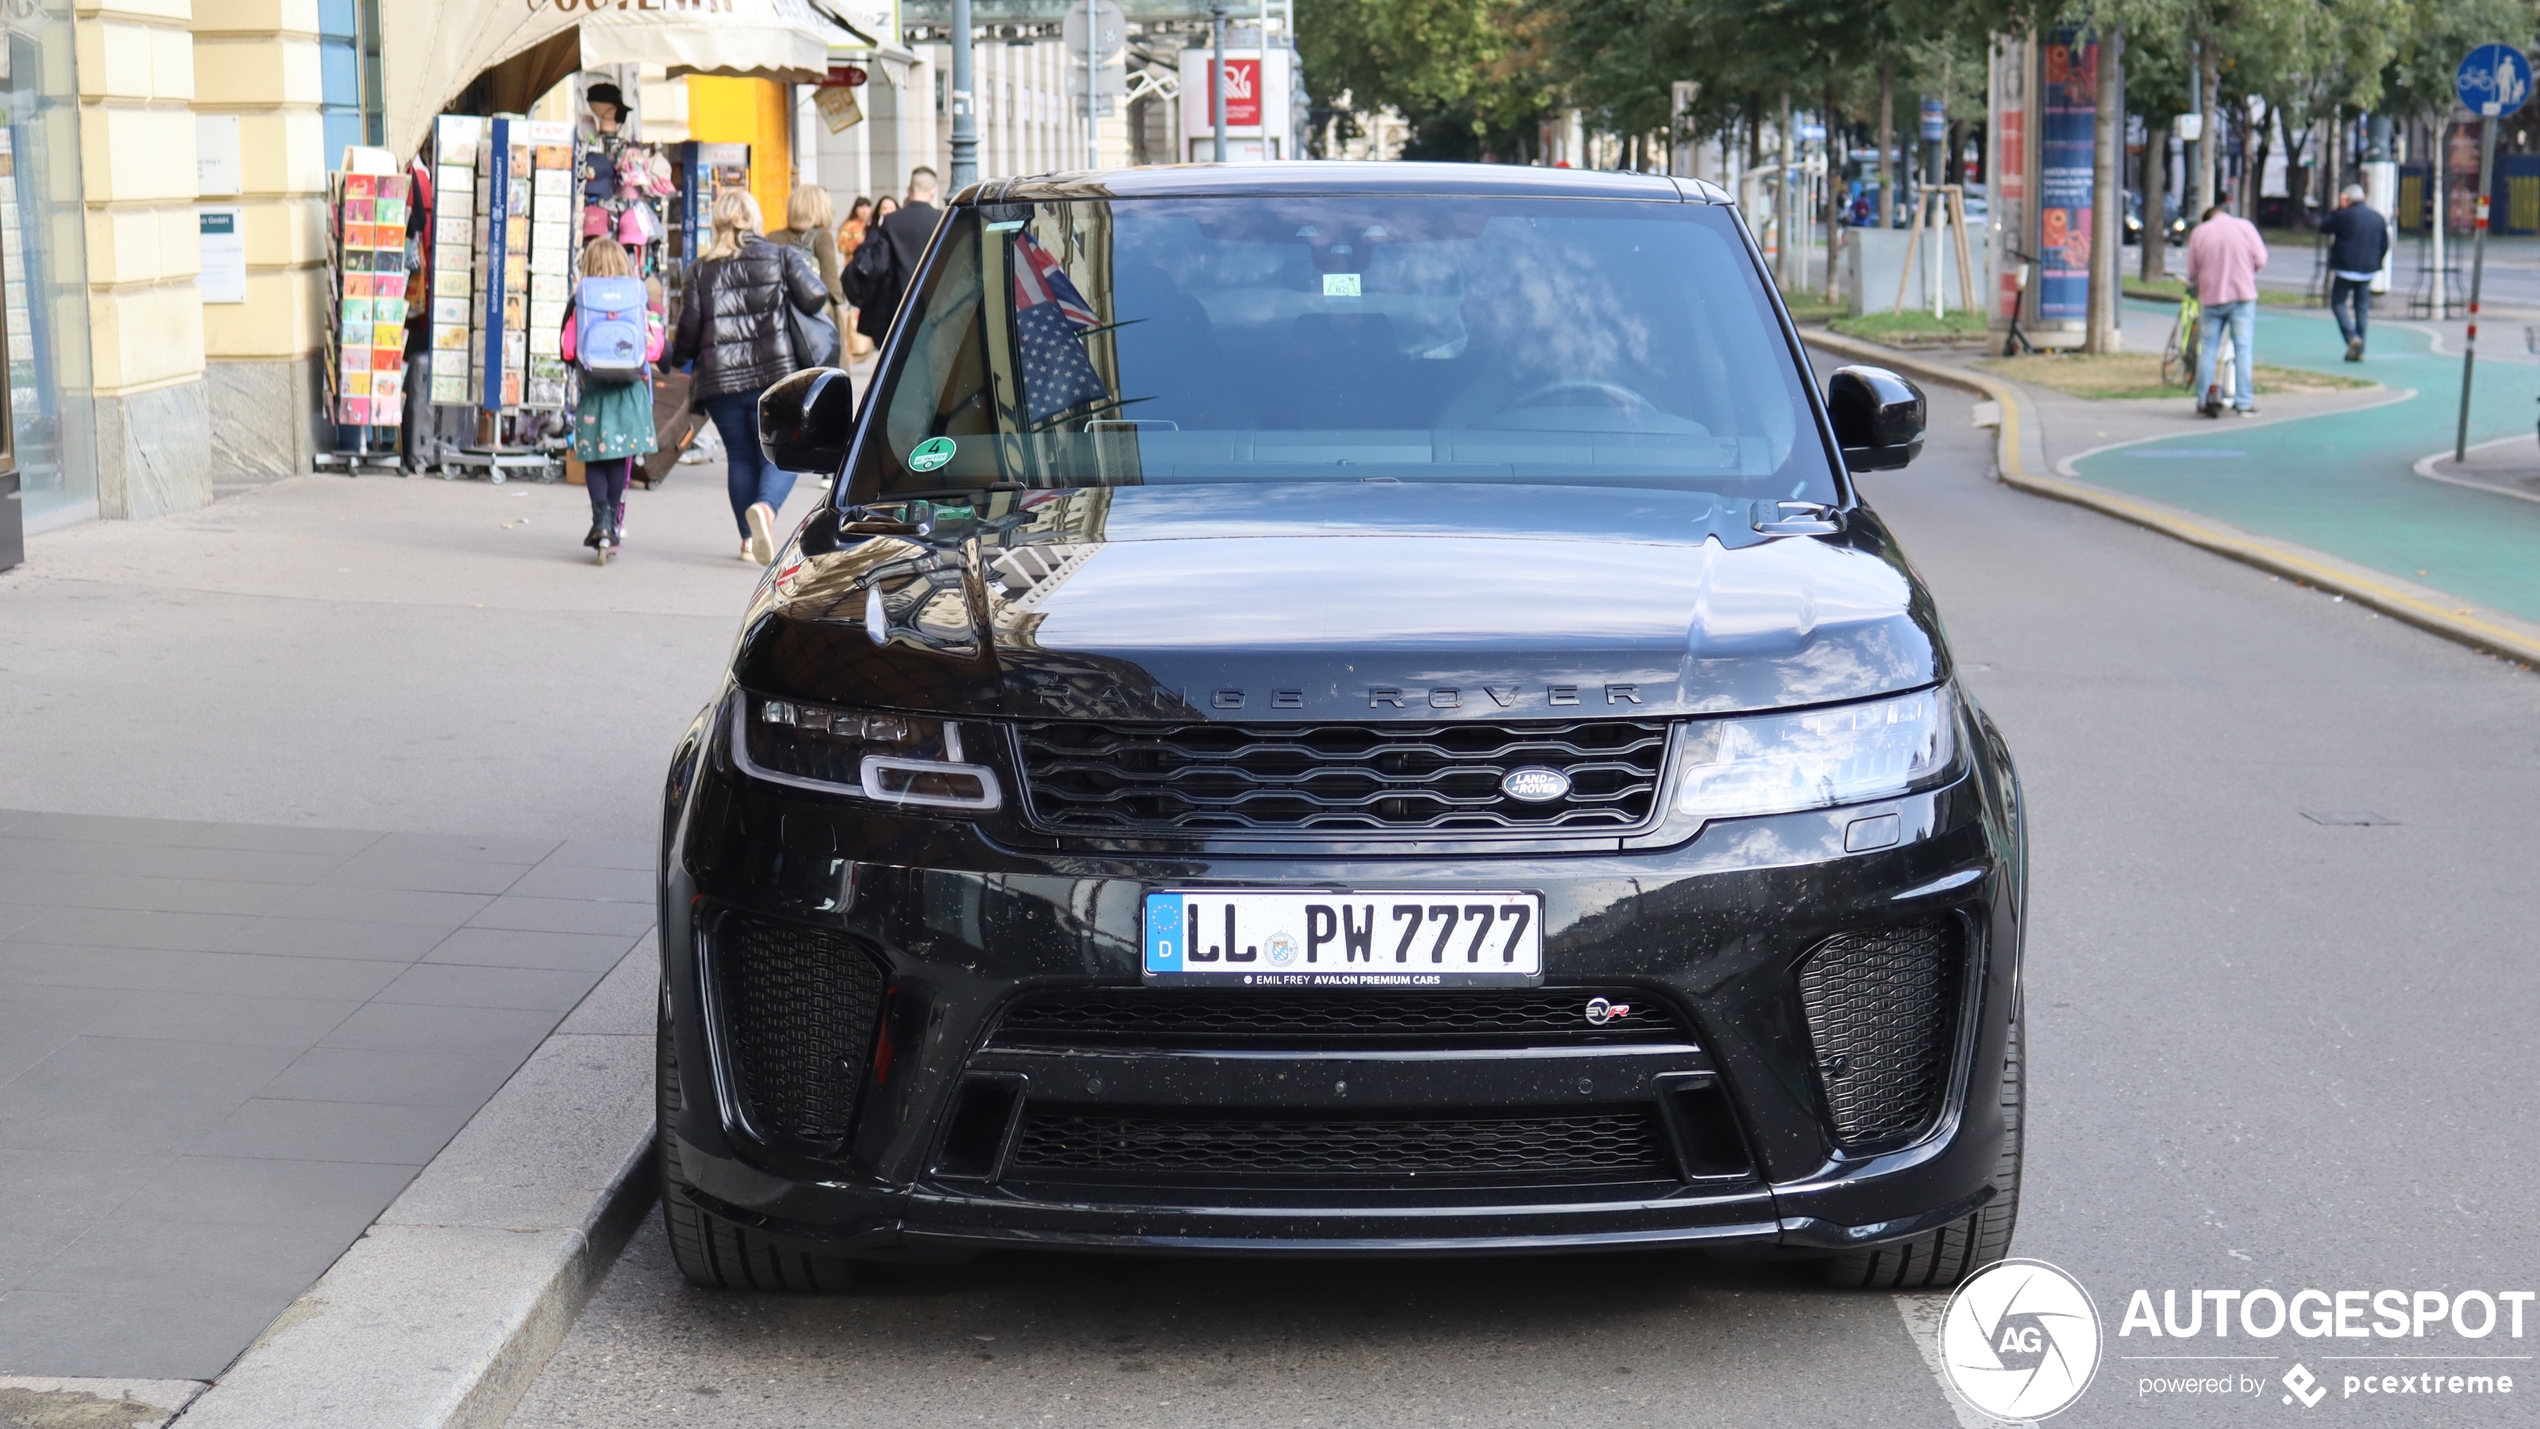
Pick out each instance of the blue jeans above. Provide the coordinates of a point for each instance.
(2350, 302)
(750, 479)
(2243, 317)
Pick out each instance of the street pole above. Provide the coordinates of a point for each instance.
(1217, 74)
(2477, 270)
(2441, 182)
(1093, 138)
(965, 132)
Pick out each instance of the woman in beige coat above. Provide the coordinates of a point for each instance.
(811, 225)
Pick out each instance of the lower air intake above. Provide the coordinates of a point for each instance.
(798, 1007)
(1127, 1143)
(1883, 1017)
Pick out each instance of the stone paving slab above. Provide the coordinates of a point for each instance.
(225, 1049)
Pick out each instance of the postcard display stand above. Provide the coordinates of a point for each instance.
(503, 260)
(366, 363)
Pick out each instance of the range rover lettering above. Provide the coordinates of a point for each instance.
(1341, 709)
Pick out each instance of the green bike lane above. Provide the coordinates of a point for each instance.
(2341, 482)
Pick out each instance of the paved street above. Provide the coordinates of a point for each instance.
(2273, 1043)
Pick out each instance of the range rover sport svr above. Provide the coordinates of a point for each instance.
(1341, 710)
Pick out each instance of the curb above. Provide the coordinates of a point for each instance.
(447, 1308)
(2425, 466)
(2425, 607)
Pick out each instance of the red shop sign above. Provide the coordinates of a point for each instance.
(846, 76)
(1243, 93)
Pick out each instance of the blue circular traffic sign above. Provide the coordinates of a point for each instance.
(2493, 81)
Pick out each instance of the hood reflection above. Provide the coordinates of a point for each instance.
(1362, 600)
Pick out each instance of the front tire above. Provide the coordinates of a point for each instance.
(712, 1250)
(1950, 1254)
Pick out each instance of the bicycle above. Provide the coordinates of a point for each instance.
(2179, 357)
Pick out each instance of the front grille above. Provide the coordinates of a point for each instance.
(1132, 1143)
(1314, 1018)
(1385, 779)
(798, 1007)
(1883, 1016)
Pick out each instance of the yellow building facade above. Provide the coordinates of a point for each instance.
(163, 182)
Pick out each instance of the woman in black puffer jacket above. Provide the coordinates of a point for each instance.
(736, 325)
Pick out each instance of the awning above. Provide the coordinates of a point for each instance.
(769, 39)
(432, 52)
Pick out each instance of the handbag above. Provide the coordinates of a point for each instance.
(815, 337)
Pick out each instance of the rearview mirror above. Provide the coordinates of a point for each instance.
(1878, 417)
(806, 420)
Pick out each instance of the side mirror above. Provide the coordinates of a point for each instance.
(1878, 417)
(805, 421)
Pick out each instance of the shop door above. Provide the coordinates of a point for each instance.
(725, 110)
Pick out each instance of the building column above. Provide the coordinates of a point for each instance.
(257, 61)
(136, 86)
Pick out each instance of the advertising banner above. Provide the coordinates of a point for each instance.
(2070, 128)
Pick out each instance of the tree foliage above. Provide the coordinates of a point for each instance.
(1474, 76)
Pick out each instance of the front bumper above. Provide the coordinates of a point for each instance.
(960, 925)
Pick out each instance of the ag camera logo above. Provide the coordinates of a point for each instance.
(2020, 1340)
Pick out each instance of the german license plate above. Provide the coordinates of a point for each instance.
(1405, 938)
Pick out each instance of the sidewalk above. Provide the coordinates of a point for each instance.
(2337, 473)
(320, 809)
(225, 1048)
(2344, 481)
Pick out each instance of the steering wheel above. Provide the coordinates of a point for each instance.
(1624, 397)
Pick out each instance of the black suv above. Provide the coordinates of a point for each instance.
(1341, 709)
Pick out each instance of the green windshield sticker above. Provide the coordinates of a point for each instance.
(1340, 285)
(930, 454)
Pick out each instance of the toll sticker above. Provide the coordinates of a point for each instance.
(1340, 285)
(930, 454)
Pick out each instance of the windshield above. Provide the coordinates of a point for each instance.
(1292, 339)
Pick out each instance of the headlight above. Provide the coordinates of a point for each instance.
(891, 759)
(1777, 764)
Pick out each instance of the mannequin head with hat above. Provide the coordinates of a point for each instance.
(607, 105)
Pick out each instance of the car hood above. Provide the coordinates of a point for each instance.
(1358, 601)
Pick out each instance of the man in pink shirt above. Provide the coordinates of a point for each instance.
(2224, 255)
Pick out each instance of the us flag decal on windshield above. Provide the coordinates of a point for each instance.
(1050, 316)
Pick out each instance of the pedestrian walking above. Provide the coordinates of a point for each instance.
(736, 325)
(612, 336)
(808, 220)
(2224, 255)
(850, 238)
(2359, 239)
(887, 263)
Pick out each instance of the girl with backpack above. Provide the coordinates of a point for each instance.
(612, 336)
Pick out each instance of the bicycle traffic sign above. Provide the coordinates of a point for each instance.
(2493, 81)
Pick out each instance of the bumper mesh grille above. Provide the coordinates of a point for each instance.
(1610, 1146)
(798, 1008)
(1391, 779)
(1883, 1015)
(1311, 1018)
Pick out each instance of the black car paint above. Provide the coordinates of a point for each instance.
(1713, 918)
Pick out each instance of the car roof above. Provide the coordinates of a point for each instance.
(1343, 177)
